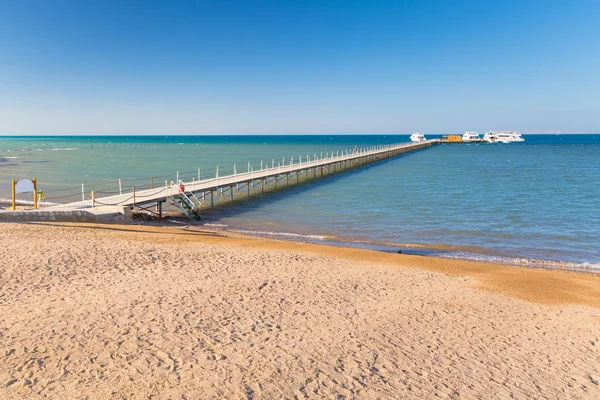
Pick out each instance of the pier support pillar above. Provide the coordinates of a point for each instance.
(159, 209)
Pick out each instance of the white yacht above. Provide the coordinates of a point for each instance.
(491, 137)
(509, 137)
(417, 137)
(471, 137)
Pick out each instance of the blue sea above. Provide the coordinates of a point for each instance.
(534, 203)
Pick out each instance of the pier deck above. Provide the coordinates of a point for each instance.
(207, 189)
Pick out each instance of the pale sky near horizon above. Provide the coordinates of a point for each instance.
(272, 67)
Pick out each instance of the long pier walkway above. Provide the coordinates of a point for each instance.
(191, 194)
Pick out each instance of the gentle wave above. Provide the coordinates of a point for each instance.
(419, 246)
(467, 253)
(64, 148)
(278, 234)
(528, 262)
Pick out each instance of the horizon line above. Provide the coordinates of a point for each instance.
(266, 134)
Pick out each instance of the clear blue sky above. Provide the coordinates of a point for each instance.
(144, 67)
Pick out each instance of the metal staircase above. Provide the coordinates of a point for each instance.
(186, 202)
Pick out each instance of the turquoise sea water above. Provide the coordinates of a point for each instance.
(534, 203)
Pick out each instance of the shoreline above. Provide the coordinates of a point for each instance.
(436, 250)
(538, 285)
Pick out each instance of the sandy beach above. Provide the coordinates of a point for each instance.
(126, 311)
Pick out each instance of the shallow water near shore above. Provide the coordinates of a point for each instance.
(532, 203)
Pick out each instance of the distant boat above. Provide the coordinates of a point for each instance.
(502, 137)
(471, 137)
(491, 137)
(417, 137)
(509, 137)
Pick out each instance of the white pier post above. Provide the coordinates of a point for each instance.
(120, 191)
(234, 170)
(82, 193)
(248, 167)
(199, 174)
(261, 165)
(177, 178)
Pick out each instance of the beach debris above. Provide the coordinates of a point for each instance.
(11, 382)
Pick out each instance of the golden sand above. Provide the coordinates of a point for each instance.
(121, 311)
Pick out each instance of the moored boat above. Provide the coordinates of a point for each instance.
(417, 137)
(491, 137)
(509, 137)
(471, 137)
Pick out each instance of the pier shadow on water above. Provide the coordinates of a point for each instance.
(258, 200)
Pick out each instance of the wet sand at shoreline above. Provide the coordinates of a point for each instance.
(113, 311)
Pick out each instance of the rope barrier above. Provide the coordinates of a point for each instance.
(104, 192)
(150, 195)
(115, 204)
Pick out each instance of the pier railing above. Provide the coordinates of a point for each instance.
(85, 191)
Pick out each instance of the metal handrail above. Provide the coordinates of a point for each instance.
(215, 174)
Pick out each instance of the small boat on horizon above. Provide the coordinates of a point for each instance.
(491, 137)
(471, 137)
(509, 137)
(502, 137)
(417, 137)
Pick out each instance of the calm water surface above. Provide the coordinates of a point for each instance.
(530, 203)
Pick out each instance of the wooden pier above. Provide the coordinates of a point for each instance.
(191, 194)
